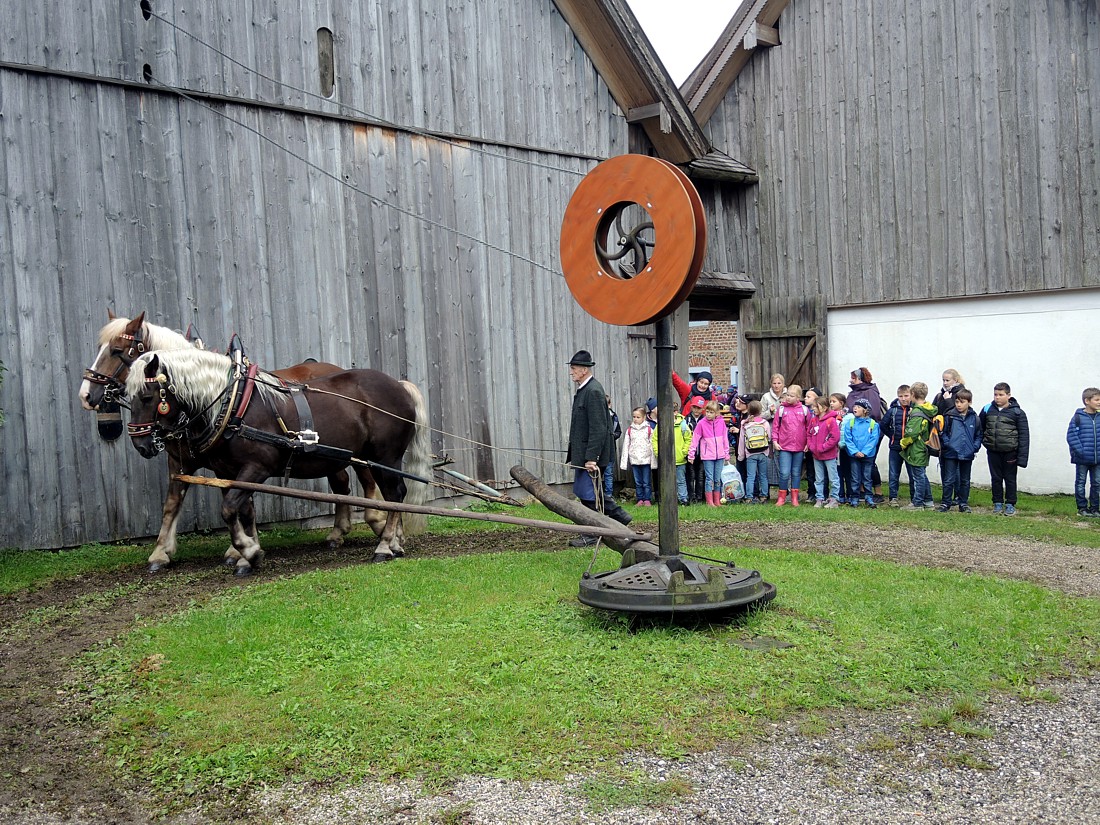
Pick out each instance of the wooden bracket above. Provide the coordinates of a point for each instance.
(761, 35)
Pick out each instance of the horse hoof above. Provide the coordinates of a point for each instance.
(334, 545)
(382, 557)
(243, 572)
(398, 553)
(157, 566)
(228, 562)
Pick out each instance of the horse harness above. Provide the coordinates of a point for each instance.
(229, 421)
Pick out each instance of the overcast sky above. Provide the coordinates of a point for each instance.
(682, 31)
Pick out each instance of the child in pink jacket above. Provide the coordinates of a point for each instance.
(789, 439)
(711, 442)
(823, 437)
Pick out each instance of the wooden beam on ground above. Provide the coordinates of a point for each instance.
(641, 547)
(614, 533)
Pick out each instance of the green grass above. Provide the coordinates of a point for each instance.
(488, 665)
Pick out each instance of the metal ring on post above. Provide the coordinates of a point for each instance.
(607, 263)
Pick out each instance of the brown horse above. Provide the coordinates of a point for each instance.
(121, 342)
(361, 417)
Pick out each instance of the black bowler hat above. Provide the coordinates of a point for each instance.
(583, 358)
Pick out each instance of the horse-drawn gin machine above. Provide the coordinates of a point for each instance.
(632, 246)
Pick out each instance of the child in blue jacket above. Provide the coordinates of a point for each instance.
(1083, 438)
(960, 440)
(860, 436)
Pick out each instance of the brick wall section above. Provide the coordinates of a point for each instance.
(715, 345)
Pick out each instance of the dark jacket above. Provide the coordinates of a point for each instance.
(1083, 437)
(590, 436)
(870, 393)
(1005, 430)
(946, 405)
(961, 437)
(893, 424)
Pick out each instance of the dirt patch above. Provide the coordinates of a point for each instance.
(51, 764)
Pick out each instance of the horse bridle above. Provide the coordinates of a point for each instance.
(158, 385)
(114, 387)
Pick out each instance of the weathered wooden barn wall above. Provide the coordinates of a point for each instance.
(925, 149)
(122, 194)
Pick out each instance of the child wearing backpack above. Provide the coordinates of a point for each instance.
(710, 441)
(639, 457)
(860, 435)
(914, 445)
(1007, 440)
(823, 437)
(959, 443)
(754, 448)
(789, 439)
(681, 439)
(1083, 437)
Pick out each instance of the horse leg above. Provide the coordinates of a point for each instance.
(340, 483)
(375, 518)
(389, 544)
(239, 516)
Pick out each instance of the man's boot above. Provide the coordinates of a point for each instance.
(613, 510)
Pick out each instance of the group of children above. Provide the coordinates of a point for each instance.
(842, 444)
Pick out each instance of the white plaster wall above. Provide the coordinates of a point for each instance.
(1044, 346)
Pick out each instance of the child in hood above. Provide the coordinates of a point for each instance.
(754, 448)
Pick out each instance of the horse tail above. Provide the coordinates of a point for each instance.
(418, 461)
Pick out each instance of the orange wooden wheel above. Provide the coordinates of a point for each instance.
(623, 209)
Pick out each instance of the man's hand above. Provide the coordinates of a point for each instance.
(591, 466)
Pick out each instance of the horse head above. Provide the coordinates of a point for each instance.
(155, 410)
(121, 342)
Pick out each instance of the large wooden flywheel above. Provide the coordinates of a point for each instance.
(633, 240)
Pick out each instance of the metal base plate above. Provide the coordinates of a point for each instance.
(675, 585)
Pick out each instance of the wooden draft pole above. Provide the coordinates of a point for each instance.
(617, 536)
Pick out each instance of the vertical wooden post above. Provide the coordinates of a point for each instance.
(667, 404)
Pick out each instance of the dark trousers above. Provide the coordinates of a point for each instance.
(955, 476)
(696, 480)
(1002, 473)
(1084, 472)
(844, 465)
(896, 465)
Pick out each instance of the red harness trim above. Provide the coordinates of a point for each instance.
(246, 393)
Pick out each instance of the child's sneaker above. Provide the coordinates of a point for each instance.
(998, 507)
(819, 504)
(894, 503)
(1010, 510)
(965, 508)
(944, 508)
(913, 507)
(1082, 512)
(853, 503)
(831, 504)
(871, 504)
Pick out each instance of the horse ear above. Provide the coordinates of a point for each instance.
(110, 314)
(136, 323)
(152, 366)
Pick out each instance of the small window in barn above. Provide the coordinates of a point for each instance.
(146, 9)
(325, 62)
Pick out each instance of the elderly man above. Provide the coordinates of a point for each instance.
(591, 443)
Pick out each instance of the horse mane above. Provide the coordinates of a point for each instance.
(198, 377)
(156, 337)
